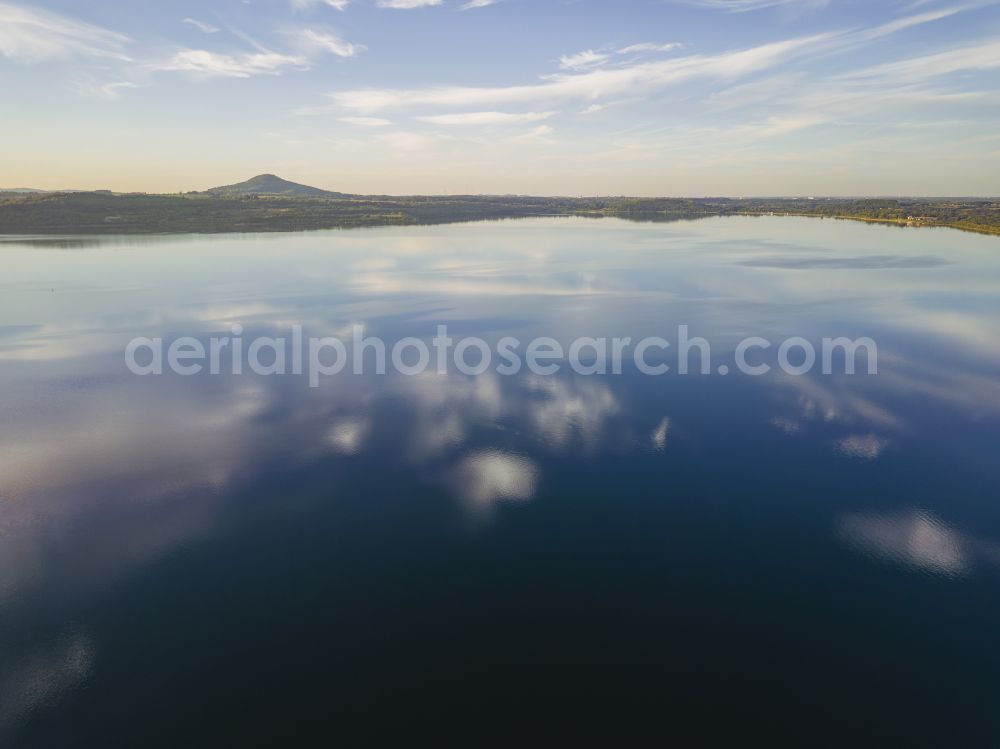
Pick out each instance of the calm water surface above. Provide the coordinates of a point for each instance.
(226, 560)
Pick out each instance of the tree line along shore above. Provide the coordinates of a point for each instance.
(103, 212)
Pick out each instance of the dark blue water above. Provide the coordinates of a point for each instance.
(237, 559)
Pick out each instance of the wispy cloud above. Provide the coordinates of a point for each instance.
(407, 142)
(366, 121)
(591, 59)
(649, 47)
(201, 62)
(909, 22)
(595, 108)
(109, 91)
(472, 4)
(777, 126)
(329, 43)
(407, 4)
(340, 5)
(536, 133)
(34, 35)
(206, 28)
(758, 91)
(593, 85)
(485, 118)
(587, 80)
(742, 6)
(978, 57)
(582, 60)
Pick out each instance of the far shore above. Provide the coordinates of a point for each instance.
(225, 211)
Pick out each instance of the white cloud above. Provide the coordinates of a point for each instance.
(775, 126)
(908, 22)
(485, 118)
(206, 28)
(204, 63)
(405, 142)
(592, 85)
(742, 6)
(478, 4)
(979, 57)
(764, 89)
(595, 108)
(582, 60)
(35, 35)
(329, 43)
(535, 133)
(366, 121)
(649, 47)
(407, 4)
(596, 85)
(107, 91)
(340, 5)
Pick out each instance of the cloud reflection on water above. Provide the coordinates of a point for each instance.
(81, 439)
(491, 475)
(919, 540)
(39, 679)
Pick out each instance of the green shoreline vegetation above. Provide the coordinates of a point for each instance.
(268, 203)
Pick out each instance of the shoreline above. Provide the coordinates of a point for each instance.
(103, 213)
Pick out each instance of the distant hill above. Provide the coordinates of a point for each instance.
(269, 184)
(21, 189)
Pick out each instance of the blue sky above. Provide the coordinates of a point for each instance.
(642, 97)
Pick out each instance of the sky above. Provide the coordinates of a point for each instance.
(546, 97)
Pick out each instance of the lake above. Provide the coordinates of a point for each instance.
(237, 558)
